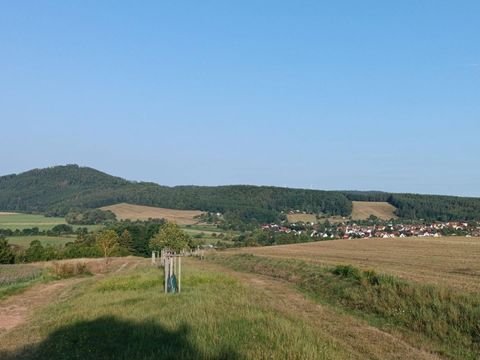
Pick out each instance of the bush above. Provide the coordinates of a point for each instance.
(65, 270)
(347, 271)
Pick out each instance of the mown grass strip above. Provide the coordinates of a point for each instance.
(450, 320)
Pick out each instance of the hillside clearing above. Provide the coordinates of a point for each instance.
(305, 218)
(362, 210)
(448, 261)
(125, 211)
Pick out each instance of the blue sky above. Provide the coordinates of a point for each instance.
(328, 95)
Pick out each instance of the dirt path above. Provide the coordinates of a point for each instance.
(354, 335)
(16, 309)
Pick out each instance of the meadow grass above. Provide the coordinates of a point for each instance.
(447, 320)
(16, 278)
(127, 316)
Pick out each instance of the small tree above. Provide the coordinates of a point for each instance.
(107, 241)
(170, 236)
(126, 241)
(6, 253)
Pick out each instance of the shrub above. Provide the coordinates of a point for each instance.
(347, 271)
(65, 270)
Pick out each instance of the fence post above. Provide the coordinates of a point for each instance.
(179, 274)
(166, 274)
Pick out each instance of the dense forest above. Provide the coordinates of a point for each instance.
(62, 189)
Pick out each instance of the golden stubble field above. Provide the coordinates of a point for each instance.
(362, 210)
(447, 261)
(137, 212)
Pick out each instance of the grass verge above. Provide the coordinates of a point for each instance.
(450, 321)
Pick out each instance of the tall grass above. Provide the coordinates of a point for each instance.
(450, 320)
(16, 278)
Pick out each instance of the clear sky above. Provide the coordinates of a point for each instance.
(380, 95)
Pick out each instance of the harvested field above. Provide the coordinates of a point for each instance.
(362, 210)
(137, 212)
(306, 218)
(448, 261)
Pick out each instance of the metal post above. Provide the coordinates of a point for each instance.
(179, 274)
(166, 275)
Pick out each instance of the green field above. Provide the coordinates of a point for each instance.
(23, 221)
(25, 241)
(206, 233)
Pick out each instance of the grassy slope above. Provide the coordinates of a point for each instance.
(306, 218)
(363, 210)
(442, 320)
(127, 316)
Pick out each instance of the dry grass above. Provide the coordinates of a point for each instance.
(7, 213)
(448, 261)
(306, 218)
(137, 212)
(362, 210)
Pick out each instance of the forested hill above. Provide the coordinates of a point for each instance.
(59, 189)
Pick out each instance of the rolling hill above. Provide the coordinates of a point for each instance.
(57, 190)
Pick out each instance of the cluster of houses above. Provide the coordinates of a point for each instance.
(355, 231)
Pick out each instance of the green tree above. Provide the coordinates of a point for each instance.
(172, 237)
(126, 241)
(6, 254)
(107, 242)
(35, 252)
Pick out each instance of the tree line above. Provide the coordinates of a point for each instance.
(125, 238)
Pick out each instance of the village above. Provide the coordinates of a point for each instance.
(358, 230)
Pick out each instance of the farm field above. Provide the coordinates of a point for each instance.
(25, 241)
(448, 261)
(209, 233)
(125, 211)
(362, 210)
(306, 218)
(19, 221)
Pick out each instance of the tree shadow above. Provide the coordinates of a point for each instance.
(111, 338)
